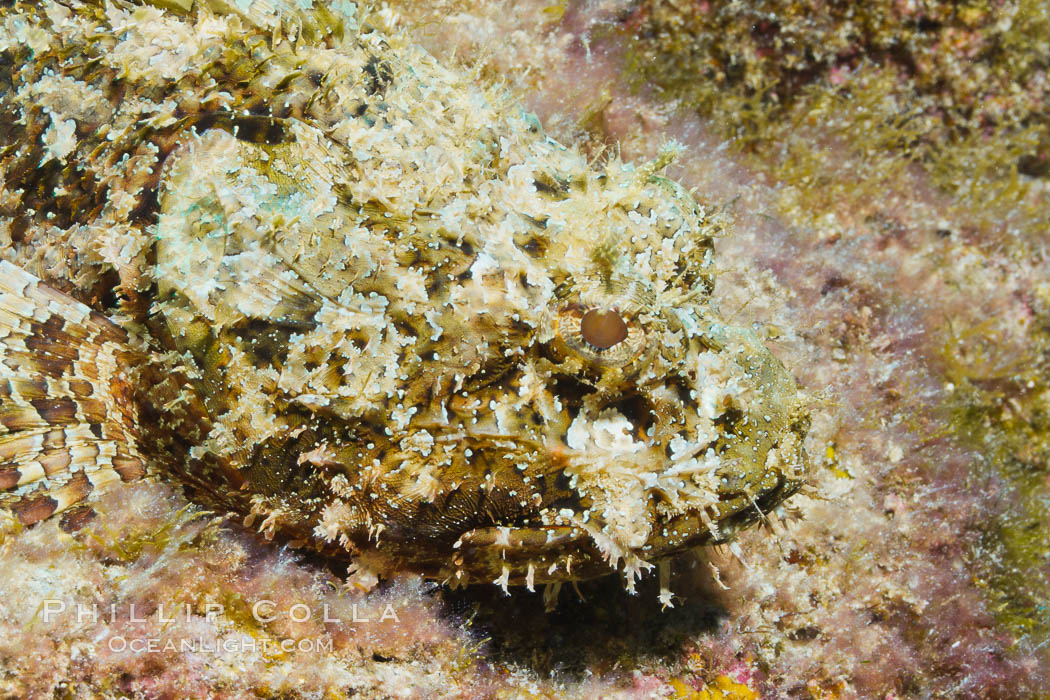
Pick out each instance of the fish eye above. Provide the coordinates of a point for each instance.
(603, 328)
(603, 335)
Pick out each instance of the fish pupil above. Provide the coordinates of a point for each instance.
(603, 328)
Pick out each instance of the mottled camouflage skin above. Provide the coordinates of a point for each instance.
(352, 285)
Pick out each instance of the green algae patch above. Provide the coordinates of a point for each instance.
(839, 101)
(1000, 409)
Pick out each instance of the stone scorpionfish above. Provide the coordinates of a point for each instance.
(361, 302)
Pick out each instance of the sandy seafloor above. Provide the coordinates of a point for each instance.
(915, 564)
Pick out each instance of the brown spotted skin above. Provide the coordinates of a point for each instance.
(372, 308)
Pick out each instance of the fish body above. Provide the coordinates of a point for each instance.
(364, 303)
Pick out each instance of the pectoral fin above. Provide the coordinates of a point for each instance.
(67, 420)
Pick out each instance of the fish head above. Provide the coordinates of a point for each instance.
(515, 375)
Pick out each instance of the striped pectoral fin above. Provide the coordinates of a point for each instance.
(67, 427)
(46, 472)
